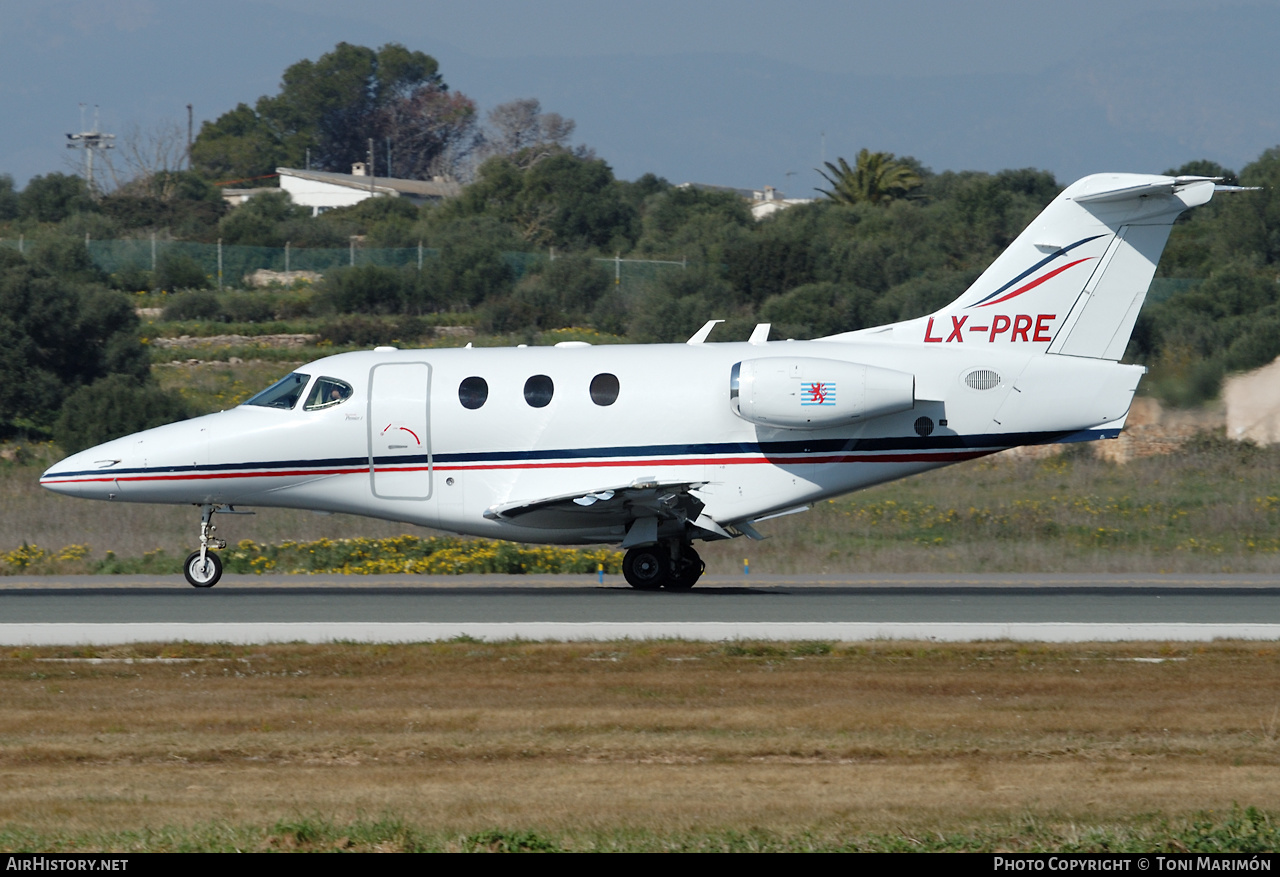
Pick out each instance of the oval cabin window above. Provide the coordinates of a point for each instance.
(604, 389)
(538, 391)
(473, 392)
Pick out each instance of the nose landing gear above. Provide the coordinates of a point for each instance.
(203, 568)
(674, 566)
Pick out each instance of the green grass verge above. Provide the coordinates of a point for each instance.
(1244, 830)
(440, 555)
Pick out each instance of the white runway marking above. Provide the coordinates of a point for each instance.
(39, 634)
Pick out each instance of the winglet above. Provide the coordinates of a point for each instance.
(701, 334)
(760, 334)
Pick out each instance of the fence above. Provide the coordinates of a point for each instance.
(227, 264)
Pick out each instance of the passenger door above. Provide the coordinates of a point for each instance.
(399, 430)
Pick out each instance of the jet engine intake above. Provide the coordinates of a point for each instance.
(809, 393)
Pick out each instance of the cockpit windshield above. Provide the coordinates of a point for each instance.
(327, 392)
(283, 394)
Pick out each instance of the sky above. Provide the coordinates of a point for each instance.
(743, 93)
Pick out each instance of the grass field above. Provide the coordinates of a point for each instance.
(641, 746)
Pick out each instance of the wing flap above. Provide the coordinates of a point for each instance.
(618, 505)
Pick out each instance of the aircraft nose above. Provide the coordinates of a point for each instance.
(90, 474)
(131, 467)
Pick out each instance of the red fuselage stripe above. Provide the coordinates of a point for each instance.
(940, 457)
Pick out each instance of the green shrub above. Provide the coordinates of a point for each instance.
(176, 271)
(362, 331)
(114, 406)
(248, 307)
(202, 305)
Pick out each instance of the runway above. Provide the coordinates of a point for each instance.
(116, 609)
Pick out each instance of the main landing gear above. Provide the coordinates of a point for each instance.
(203, 568)
(674, 566)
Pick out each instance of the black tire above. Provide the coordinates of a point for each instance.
(204, 575)
(687, 572)
(646, 568)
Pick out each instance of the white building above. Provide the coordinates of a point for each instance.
(763, 202)
(770, 201)
(323, 190)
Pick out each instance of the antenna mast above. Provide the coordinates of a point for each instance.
(90, 142)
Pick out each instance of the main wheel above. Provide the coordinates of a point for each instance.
(646, 568)
(203, 575)
(689, 569)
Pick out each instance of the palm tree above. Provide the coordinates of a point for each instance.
(877, 178)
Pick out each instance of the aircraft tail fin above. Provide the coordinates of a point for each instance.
(1073, 282)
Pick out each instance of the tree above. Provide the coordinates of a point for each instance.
(520, 131)
(562, 201)
(181, 201)
(334, 106)
(54, 197)
(259, 221)
(8, 198)
(879, 177)
(693, 223)
(1251, 220)
(114, 406)
(55, 336)
(431, 132)
(242, 145)
(818, 309)
(149, 158)
(563, 293)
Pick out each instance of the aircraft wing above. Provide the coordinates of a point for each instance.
(607, 507)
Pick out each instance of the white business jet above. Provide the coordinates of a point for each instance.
(655, 447)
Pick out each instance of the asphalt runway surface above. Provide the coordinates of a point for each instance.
(1221, 599)
(100, 609)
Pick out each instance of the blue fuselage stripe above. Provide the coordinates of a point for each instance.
(816, 447)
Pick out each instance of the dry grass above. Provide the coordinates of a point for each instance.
(658, 738)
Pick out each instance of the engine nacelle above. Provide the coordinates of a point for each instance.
(807, 393)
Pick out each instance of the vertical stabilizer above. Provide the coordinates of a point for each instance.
(1074, 280)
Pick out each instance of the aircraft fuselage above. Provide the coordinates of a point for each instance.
(403, 446)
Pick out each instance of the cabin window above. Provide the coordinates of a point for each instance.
(538, 391)
(283, 394)
(604, 389)
(473, 392)
(328, 392)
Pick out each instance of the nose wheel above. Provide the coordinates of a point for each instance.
(203, 568)
(203, 572)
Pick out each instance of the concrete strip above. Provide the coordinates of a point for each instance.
(392, 632)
